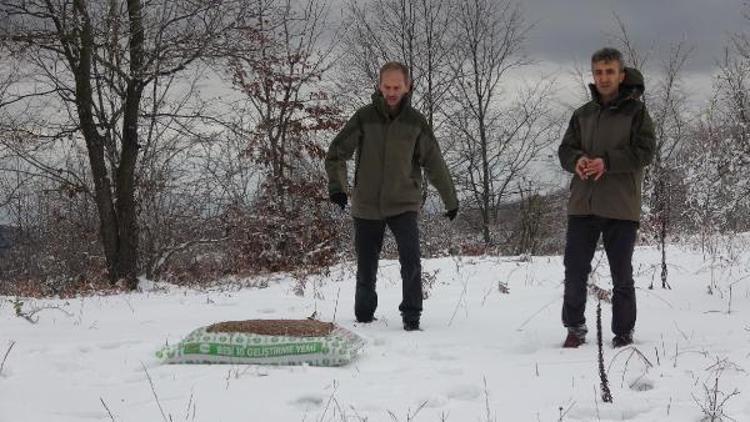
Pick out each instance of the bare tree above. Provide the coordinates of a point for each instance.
(94, 61)
(177, 206)
(537, 228)
(416, 33)
(287, 223)
(282, 84)
(498, 138)
(636, 55)
(670, 115)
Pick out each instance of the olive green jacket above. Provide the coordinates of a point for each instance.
(390, 155)
(621, 133)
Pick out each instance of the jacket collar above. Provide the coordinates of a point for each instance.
(625, 94)
(379, 101)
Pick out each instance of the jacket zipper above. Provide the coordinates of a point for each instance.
(592, 186)
(382, 173)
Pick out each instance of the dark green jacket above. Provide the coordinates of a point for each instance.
(621, 133)
(390, 155)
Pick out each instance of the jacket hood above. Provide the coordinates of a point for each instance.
(632, 87)
(633, 82)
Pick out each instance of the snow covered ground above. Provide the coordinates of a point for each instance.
(484, 355)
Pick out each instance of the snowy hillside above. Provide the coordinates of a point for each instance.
(484, 355)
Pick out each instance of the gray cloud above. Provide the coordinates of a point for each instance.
(567, 30)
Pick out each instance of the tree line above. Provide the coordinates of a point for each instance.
(183, 139)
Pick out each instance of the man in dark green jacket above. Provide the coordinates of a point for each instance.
(607, 144)
(393, 143)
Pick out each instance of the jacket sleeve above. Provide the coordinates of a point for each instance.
(639, 152)
(342, 148)
(570, 149)
(431, 159)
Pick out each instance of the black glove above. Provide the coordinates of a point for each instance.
(451, 214)
(339, 198)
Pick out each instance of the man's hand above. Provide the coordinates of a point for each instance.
(451, 214)
(339, 198)
(581, 166)
(595, 168)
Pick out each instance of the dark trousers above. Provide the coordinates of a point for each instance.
(368, 241)
(619, 240)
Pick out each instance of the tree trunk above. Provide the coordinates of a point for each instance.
(94, 141)
(126, 266)
(117, 221)
(485, 176)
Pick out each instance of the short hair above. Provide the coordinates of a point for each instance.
(607, 54)
(395, 66)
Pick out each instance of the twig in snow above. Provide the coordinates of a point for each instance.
(596, 403)
(156, 397)
(190, 401)
(606, 394)
(111, 417)
(714, 401)
(669, 405)
(488, 414)
(486, 295)
(633, 352)
(328, 404)
(550, 303)
(680, 331)
(29, 315)
(729, 302)
(460, 300)
(723, 364)
(409, 416)
(336, 305)
(565, 411)
(7, 352)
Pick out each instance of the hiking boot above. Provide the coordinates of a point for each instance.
(622, 340)
(573, 340)
(411, 325)
(366, 320)
(576, 336)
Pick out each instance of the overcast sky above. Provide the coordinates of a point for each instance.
(570, 30)
(567, 29)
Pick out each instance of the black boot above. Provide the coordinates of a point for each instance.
(622, 340)
(412, 325)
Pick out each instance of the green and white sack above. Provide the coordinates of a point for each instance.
(206, 345)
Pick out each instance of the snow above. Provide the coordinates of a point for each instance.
(483, 355)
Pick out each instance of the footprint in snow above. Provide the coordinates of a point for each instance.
(379, 341)
(308, 401)
(464, 392)
(451, 371)
(434, 402)
(117, 344)
(437, 356)
(641, 384)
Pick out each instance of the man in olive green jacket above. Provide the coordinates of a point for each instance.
(607, 144)
(393, 143)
